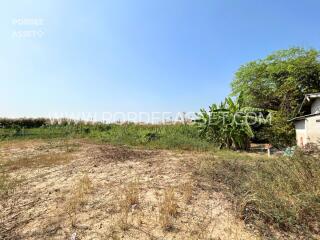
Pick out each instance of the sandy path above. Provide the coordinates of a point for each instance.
(37, 208)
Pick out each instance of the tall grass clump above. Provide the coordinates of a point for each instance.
(168, 209)
(283, 192)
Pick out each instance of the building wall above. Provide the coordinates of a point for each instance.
(312, 125)
(301, 133)
(315, 107)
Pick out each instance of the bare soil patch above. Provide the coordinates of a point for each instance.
(108, 192)
(120, 153)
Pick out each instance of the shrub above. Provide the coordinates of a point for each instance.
(151, 136)
(17, 130)
(168, 209)
(284, 192)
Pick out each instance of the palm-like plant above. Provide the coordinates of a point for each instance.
(228, 125)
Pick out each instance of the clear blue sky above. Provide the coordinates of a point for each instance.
(138, 55)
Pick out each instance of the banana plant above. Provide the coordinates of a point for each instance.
(228, 125)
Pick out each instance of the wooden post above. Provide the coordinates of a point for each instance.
(269, 146)
(269, 152)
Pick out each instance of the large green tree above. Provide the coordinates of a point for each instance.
(279, 83)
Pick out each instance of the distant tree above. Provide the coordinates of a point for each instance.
(279, 83)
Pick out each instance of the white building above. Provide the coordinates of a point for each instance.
(308, 125)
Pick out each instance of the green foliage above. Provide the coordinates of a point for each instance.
(282, 132)
(151, 136)
(178, 136)
(17, 129)
(23, 122)
(279, 82)
(284, 192)
(229, 124)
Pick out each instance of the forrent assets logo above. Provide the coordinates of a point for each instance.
(28, 28)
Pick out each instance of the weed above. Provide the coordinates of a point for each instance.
(168, 209)
(84, 184)
(124, 220)
(6, 186)
(43, 160)
(78, 197)
(112, 233)
(187, 189)
(151, 136)
(129, 199)
(206, 166)
(284, 192)
(131, 194)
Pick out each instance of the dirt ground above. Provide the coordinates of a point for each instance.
(81, 190)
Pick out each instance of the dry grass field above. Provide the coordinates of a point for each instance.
(75, 189)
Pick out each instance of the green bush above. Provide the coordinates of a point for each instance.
(151, 136)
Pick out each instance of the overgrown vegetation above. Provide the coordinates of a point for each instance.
(229, 124)
(274, 87)
(284, 192)
(279, 83)
(175, 136)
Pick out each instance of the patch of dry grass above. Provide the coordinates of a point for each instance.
(130, 199)
(62, 145)
(112, 233)
(131, 194)
(187, 189)
(282, 192)
(38, 161)
(123, 222)
(78, 198)
(168, 209)
(206, 166)
(6, 185)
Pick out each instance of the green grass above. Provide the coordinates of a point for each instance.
(179, 136)
(183, 137)
(280, 192)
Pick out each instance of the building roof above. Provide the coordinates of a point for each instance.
(304, 117)
(307, 99)
(313, 95)
(306, 102)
